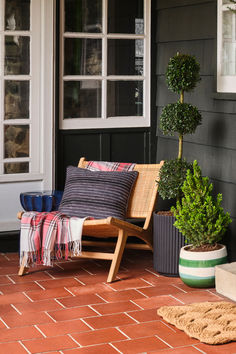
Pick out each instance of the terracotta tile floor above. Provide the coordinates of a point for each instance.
(71, 309)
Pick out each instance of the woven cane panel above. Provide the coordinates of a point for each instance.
(145, 191)
(210, 322)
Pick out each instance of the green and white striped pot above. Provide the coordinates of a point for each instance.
(197, 269)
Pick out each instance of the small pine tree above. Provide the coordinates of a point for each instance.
(199, 216)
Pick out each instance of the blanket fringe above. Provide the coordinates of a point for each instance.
(47, 257)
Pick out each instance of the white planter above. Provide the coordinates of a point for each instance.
(197, 269)
(226, 280)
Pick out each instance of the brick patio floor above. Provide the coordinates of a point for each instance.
(71, 309)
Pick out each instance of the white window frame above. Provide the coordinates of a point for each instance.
(41, 110)
(42, 116)
(104, 121)
(225, 83)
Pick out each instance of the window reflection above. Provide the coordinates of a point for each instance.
(123, 16)
(124, 98)
(83, 16)
(132, 50)
(16, 142)
(16, 167)
(16, 100)
(83, 56)
(229, 44)
(82, 99)
(17, 58)
(17, 15)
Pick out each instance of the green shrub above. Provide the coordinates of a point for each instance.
(182, 73)
(182, 118)
(172, 176)
(199, 216)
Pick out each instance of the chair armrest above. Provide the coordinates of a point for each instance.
(127, 226)
(115, 224)
(19, 214)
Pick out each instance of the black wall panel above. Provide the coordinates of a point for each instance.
(72, 146)
(204, 50)
(129, 148)
(202, 96)
(190, 27)
(165, 4)
(194, 21)
(217, 129)
(216, 162)
(126, 145)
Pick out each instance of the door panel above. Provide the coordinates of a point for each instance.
(26, 102)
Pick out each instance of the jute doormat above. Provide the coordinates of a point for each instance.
(210, 322)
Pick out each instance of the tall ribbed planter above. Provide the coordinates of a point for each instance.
(167, 242)
(197, 269)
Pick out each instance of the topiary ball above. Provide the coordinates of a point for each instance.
(182, 73)
(182, 118)
(171, 178)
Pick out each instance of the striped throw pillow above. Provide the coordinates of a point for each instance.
(97, 194)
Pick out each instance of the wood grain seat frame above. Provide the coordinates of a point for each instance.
(141, 206)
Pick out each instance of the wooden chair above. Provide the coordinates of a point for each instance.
(141, 206)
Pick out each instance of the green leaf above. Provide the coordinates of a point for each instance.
(182, 73)
(182, 118)
(199, 216)
(171, 178)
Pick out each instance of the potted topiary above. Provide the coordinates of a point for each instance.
(203, 222)
(182, 118)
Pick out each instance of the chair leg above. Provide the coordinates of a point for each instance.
(23, 268)
(115, 264)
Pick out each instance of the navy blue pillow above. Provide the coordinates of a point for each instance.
(98, 194)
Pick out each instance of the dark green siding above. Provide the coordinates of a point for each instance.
(189, 26)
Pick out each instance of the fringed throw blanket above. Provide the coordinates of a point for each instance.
(44, 235)
(109, 166)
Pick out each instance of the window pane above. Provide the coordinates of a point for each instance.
(229, 44)
(17, 61)
(17, 15)
(16, 100)
(82, 99)
(16, 167)
(131, 50)
(125, 16)
(227, 25)
(83, 56)
(83, 16)
(16, 141)
(124, 98)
